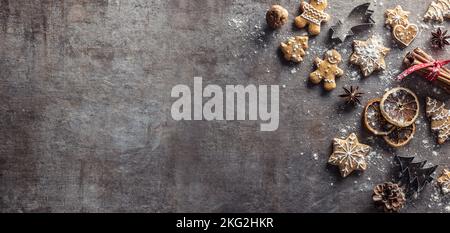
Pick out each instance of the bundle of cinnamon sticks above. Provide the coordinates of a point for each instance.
(418, 56)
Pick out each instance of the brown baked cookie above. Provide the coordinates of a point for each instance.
(276, 16)
(327, 70)
(349, 154)
(312, 15)
(438, 11)
(402, 31)
(405, 34)
(369, 55)
(396, 16)
(444, 181)
(440, 119)
(294, 48)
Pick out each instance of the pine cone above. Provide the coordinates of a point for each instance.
(389, 196)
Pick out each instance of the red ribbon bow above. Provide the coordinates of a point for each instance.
(432, 67)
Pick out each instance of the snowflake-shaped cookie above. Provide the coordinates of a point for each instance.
(396, 16)
(369, 55)
(349, 155)
(444, 181)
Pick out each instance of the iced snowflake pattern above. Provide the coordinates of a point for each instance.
(349, 155)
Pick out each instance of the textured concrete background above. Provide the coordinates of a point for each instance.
(85, 121)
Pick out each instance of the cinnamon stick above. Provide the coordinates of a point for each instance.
(428, 57)
(443, 76)
(418, 56)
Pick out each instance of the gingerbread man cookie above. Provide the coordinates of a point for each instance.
(312, 15)
(327, 70)
(294, 48)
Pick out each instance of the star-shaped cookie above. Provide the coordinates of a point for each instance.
(440, 119)
(349, 155)
(396, 16)
(444, 181)
(369, 55)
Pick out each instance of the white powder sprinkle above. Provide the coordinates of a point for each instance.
(447, 209)
(315, 156)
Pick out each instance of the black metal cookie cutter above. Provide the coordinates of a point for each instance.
(360, 18)
(413, 176)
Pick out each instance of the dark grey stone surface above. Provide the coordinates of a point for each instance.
(85, 122)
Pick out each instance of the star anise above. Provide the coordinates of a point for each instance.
(352, 95)
(439, 39)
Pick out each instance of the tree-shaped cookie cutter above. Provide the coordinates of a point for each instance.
(413, 176)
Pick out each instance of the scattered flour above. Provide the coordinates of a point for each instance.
(315, 156)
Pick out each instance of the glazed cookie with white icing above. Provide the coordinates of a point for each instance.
(369, 55)
(312, 15)
(327, 70)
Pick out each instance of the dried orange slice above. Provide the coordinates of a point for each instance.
(400, 107)
(400, 136)
(374, 120)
